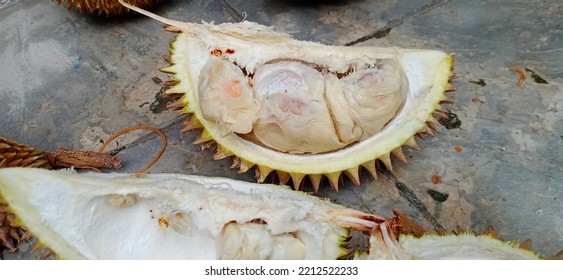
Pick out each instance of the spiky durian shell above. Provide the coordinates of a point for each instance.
(15, 154)
(107, 7)
(247, 155)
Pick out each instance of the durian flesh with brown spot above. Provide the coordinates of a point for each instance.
(302, 108)
(107, 7)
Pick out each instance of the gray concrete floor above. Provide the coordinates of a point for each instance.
(71, 80)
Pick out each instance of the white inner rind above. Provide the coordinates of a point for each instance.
(121, 216)
(427, 73)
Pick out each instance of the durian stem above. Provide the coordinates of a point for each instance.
(82, 159)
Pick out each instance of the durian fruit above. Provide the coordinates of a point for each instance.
(302, 109)
(107, 7)
(172, 216)
(165, 216)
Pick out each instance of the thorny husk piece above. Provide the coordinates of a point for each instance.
(14, 154)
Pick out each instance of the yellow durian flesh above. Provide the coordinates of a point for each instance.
(167, 216)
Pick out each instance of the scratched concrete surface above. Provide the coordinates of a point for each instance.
(71, 80)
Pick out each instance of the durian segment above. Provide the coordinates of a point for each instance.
(423, 76)
(384, 245)
(166, 216)
(427, 73)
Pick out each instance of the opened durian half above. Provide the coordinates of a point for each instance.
(172, 216)
(302, 108)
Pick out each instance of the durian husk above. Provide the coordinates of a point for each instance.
(246, 40)
(13, 154)
(244, 161)
(100, 7)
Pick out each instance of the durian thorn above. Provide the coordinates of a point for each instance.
(191, 123)
(354, 175)
(370, 167)
(439, 108)
(297, 179)
(491, 231)
(283, 177)
(316, 180)
(526, 245)
(245, 165)
(236, 163)
(203, 137)
(420, 135)
(167, 57)
(386, 160)
(450, 87)
(438, 114)
(175, 105)
(177, 89)
(222, 152)
(262, 173)
(168, 69)
(207, 145)
(172, 28)
(433, 123)
(334, 179)
(169, 83)
(398, 153)
(428, 131)
(446, 99)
